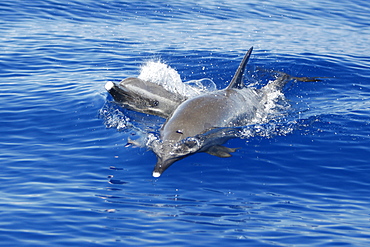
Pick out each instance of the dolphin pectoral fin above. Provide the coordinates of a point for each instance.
(221, 151)
(140, 142)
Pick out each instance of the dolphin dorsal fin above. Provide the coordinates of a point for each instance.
(237, 81)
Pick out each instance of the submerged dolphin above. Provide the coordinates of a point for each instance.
(205, 122)
(144, 96)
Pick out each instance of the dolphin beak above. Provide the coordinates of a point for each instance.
(109, 85)
(161, 166)
(118, 93)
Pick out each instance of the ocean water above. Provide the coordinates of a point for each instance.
(68, 177)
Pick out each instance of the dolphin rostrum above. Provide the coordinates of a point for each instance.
(205, 122)
(144, 96)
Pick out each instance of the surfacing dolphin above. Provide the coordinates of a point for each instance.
(144, 96)
(205, 122)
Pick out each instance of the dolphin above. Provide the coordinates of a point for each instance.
(205, 122)
(144, 96)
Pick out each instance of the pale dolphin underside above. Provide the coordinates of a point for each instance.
(205, 122)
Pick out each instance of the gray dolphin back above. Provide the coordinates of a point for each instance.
(144, 96)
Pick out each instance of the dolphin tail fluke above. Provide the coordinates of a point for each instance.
(221, 151)
(307, 79)
(237, 81)
(284, 78)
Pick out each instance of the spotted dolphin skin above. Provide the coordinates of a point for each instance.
(144, 96)
(205, 122)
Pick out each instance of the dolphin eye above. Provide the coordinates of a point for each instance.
(179, 132)
(153, 103)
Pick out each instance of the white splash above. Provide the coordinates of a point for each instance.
(271, 119)
(162, 74)
(114, 118)
(197, 87)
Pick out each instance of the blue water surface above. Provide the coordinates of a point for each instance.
(67, 178)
